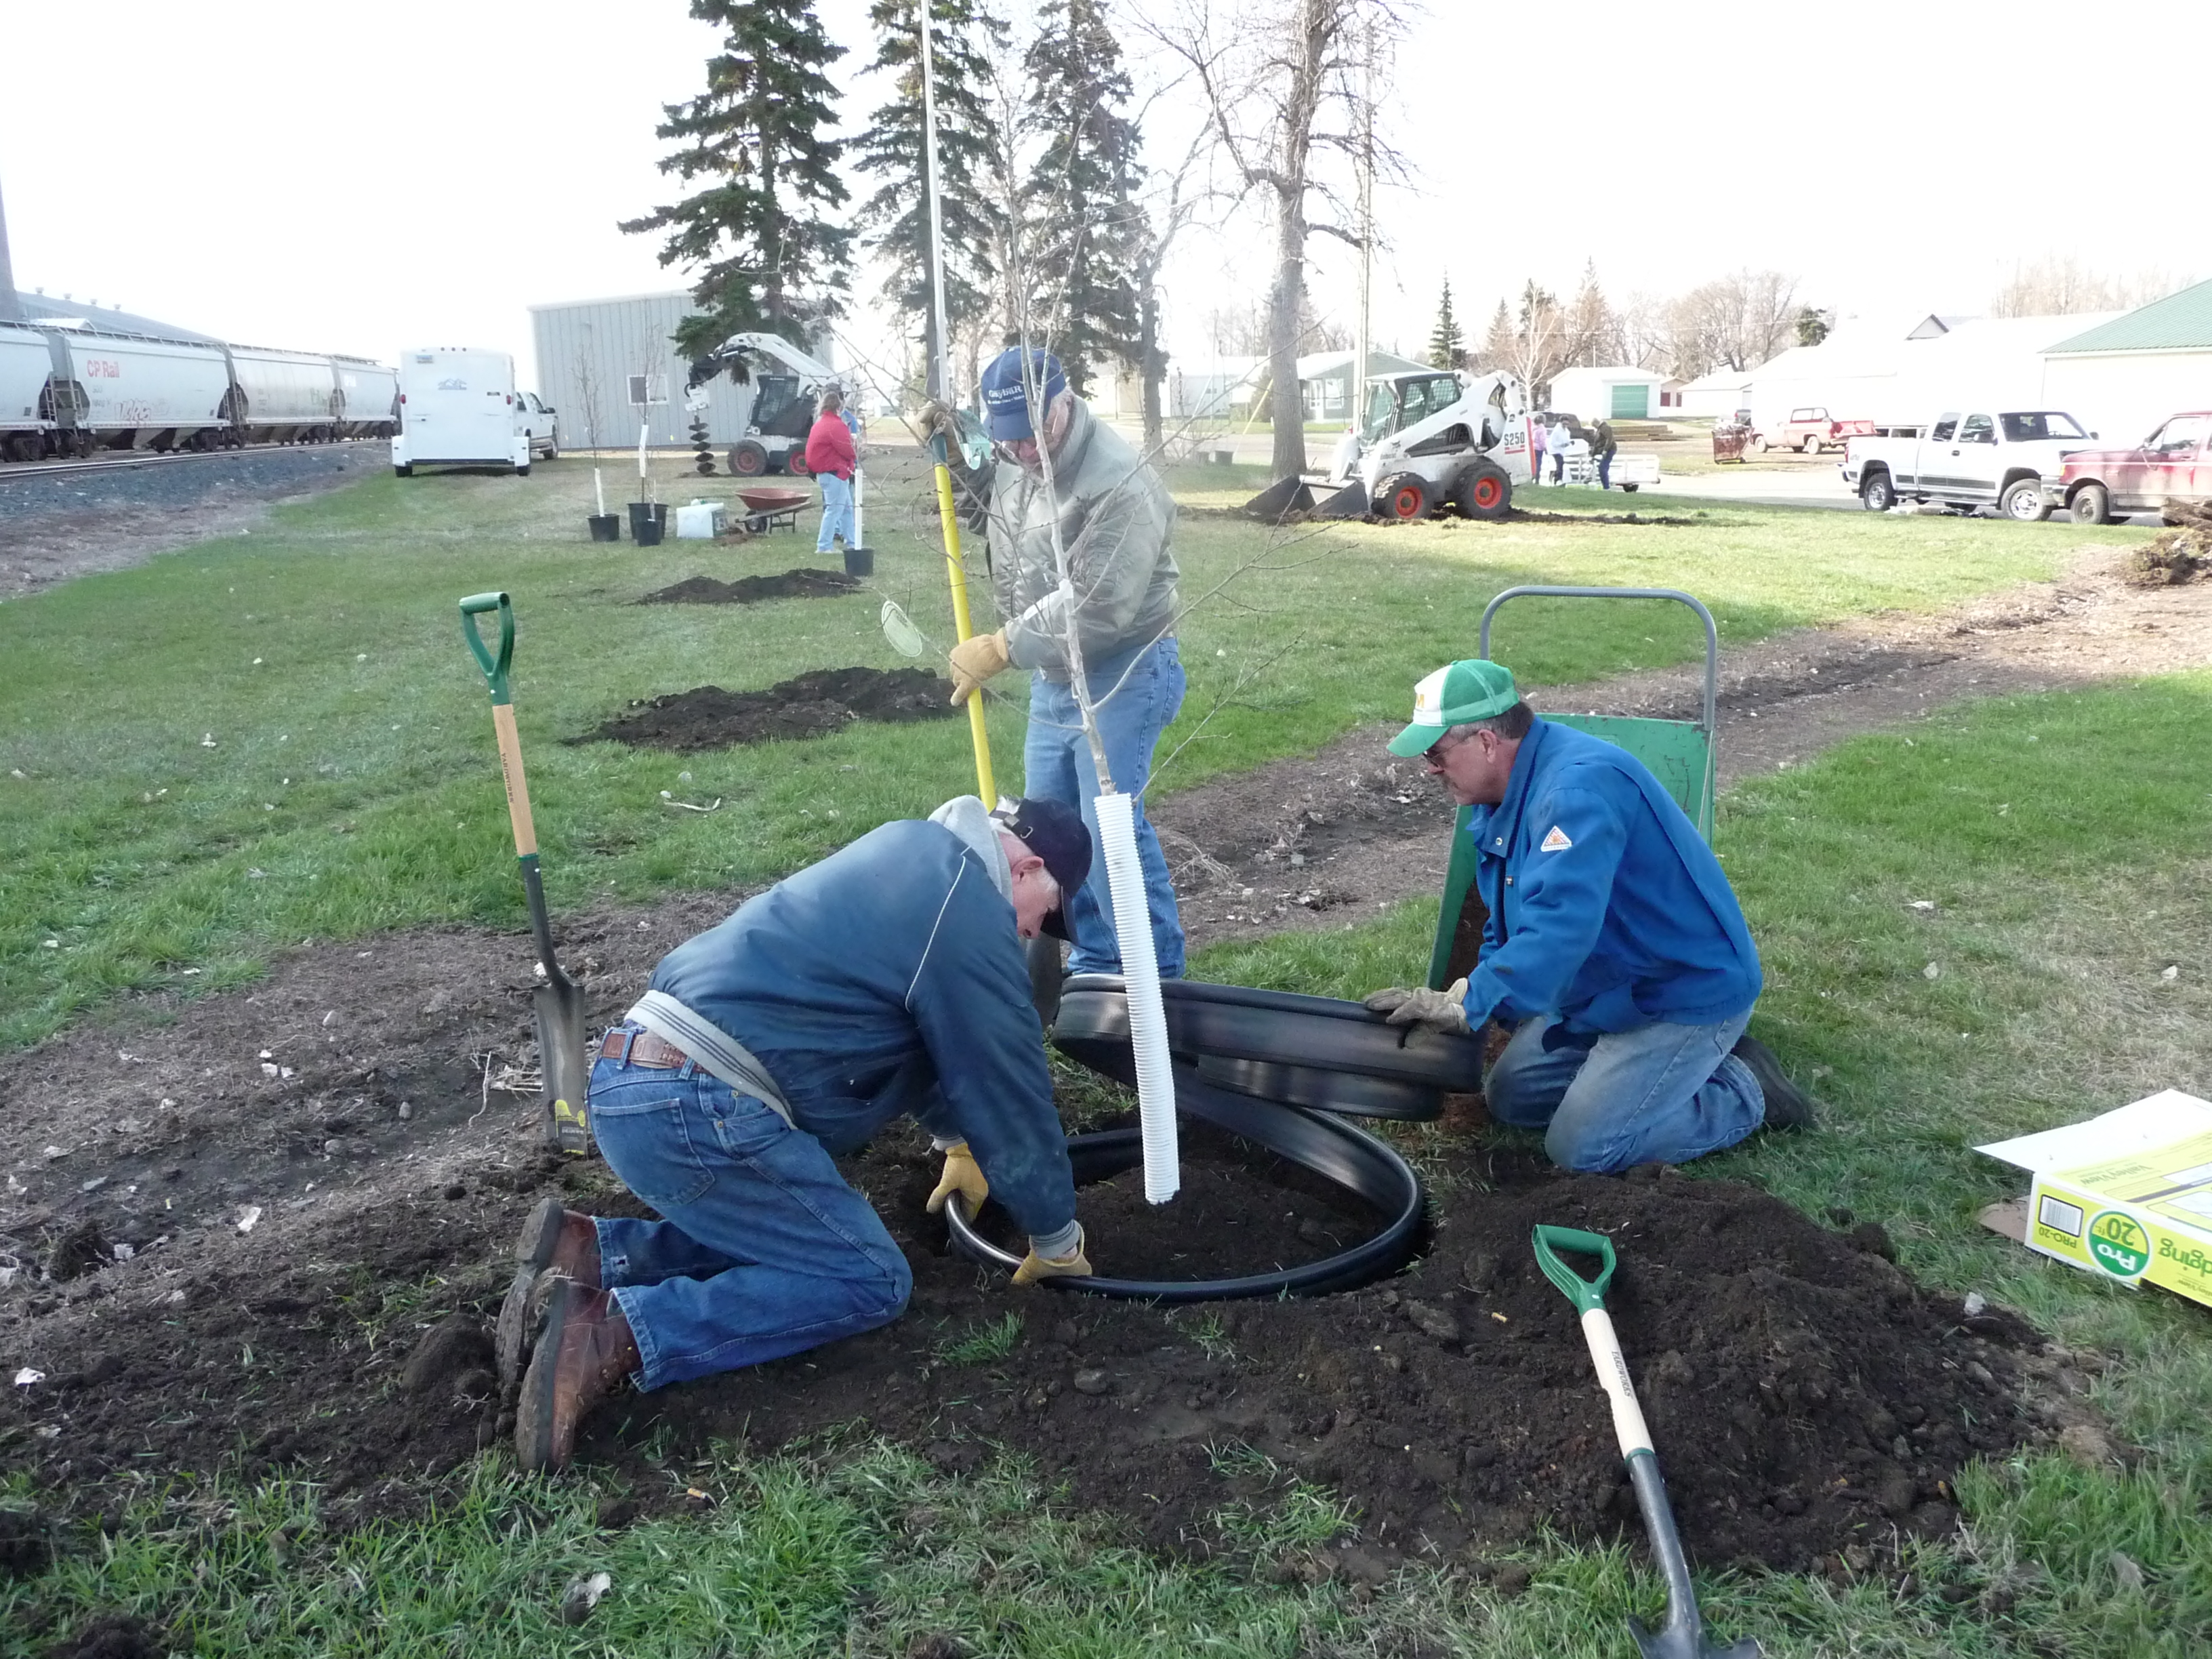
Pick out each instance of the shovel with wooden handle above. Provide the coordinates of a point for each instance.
(1683, 1635)
(558, 1003)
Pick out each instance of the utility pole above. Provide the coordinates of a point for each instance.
(10, 312)
(939, 375)
(1357, 414)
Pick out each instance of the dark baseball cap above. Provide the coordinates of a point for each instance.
(1005, 387)
(1057, 833)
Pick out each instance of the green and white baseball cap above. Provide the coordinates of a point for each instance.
(1458, 692)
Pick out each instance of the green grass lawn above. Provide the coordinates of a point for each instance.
(2062, 840)
(279, 737)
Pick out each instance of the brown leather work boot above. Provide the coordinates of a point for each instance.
(584, 1351)
(553, 1239)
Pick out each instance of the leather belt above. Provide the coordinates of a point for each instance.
(641, 1049)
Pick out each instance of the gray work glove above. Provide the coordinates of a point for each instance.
(1438, 1010)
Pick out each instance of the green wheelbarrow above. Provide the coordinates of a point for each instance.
(1681, 754)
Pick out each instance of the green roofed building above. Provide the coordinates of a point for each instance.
(2128, 374)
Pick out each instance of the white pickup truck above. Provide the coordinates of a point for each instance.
(2002, 460)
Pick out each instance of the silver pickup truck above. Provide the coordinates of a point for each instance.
(2002, 460)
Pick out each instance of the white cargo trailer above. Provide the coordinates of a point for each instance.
(457, 408)
(145, 394)
(26, 360)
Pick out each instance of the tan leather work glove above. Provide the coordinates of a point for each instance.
(963, 1175)
(1076, 1265)
(976, 660)
(1438, 1011)
(937, 418)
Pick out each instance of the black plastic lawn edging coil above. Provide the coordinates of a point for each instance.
(1335, 1150)
(1319, 1052)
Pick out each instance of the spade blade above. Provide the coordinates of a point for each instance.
(559, 1006)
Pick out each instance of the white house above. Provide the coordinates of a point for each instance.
(1718, 394)
(1325, 377)
(2123, 376)
(1618, 393)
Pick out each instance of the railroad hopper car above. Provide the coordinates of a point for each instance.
(73, 390)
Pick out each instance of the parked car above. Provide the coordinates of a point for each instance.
(535, 419)
(2000, 460)
(2171, 467)
(1810, 430)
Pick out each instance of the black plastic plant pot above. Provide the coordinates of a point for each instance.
(1330, 1148)
(605, 526)
(648, 522)
(860, 561)
(1319, 1052)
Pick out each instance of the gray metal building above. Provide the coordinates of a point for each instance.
(596, 358)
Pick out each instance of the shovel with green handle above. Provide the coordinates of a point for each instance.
(558, 1003)
(1683, 1636)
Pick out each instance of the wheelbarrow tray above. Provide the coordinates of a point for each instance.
(774, 500)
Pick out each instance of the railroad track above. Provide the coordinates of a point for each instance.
(65, 468)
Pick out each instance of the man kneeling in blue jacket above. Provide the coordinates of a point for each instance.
(888, 979)
(1615, 950)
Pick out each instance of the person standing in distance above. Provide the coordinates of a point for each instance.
(831, 457)
(1114, 519)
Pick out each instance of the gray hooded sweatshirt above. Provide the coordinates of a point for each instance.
(1116, 519)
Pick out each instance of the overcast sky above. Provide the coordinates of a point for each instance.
(361, 178)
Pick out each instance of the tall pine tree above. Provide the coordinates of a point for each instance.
(961, 34)
(770, 258)
(1085, 230)
(1447, 346)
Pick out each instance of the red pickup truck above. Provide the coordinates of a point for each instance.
(1810, 430)
(2173, 465)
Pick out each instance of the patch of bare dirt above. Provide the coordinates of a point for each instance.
(53, 530)
(1322, 840)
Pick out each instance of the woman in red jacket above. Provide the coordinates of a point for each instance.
(831, 458)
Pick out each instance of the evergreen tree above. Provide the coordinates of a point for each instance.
(1085, 232)
(961, 34)
(1498, 342)
(1447, 346)
(1813, 326)
(769, 257)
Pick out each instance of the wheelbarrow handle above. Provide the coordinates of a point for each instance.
(495, 668)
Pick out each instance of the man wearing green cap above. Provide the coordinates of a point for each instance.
(1615, 950)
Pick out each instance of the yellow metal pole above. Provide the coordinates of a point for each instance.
(958, 573)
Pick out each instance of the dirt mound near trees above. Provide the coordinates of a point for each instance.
(801, 582)
(828, 700)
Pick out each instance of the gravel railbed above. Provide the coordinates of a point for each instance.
(54, 528)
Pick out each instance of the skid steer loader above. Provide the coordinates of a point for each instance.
(1439, 439)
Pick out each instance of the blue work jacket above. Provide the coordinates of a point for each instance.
(889, 978)
(1607, 907)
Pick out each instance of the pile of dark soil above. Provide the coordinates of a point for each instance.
(801, 582)
(827, 699)
(1260, 1214)
(1806, 1396)
(308, 1195)
(2173, 557)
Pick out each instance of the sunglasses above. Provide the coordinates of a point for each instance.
(1434, 754)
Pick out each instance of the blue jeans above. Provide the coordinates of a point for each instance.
(1056, 765)
(765, 1250)
(836, 511)
(1660, 1094)
(1605, 471)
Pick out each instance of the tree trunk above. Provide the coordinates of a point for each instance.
(1286, 406)
(1150, 364)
